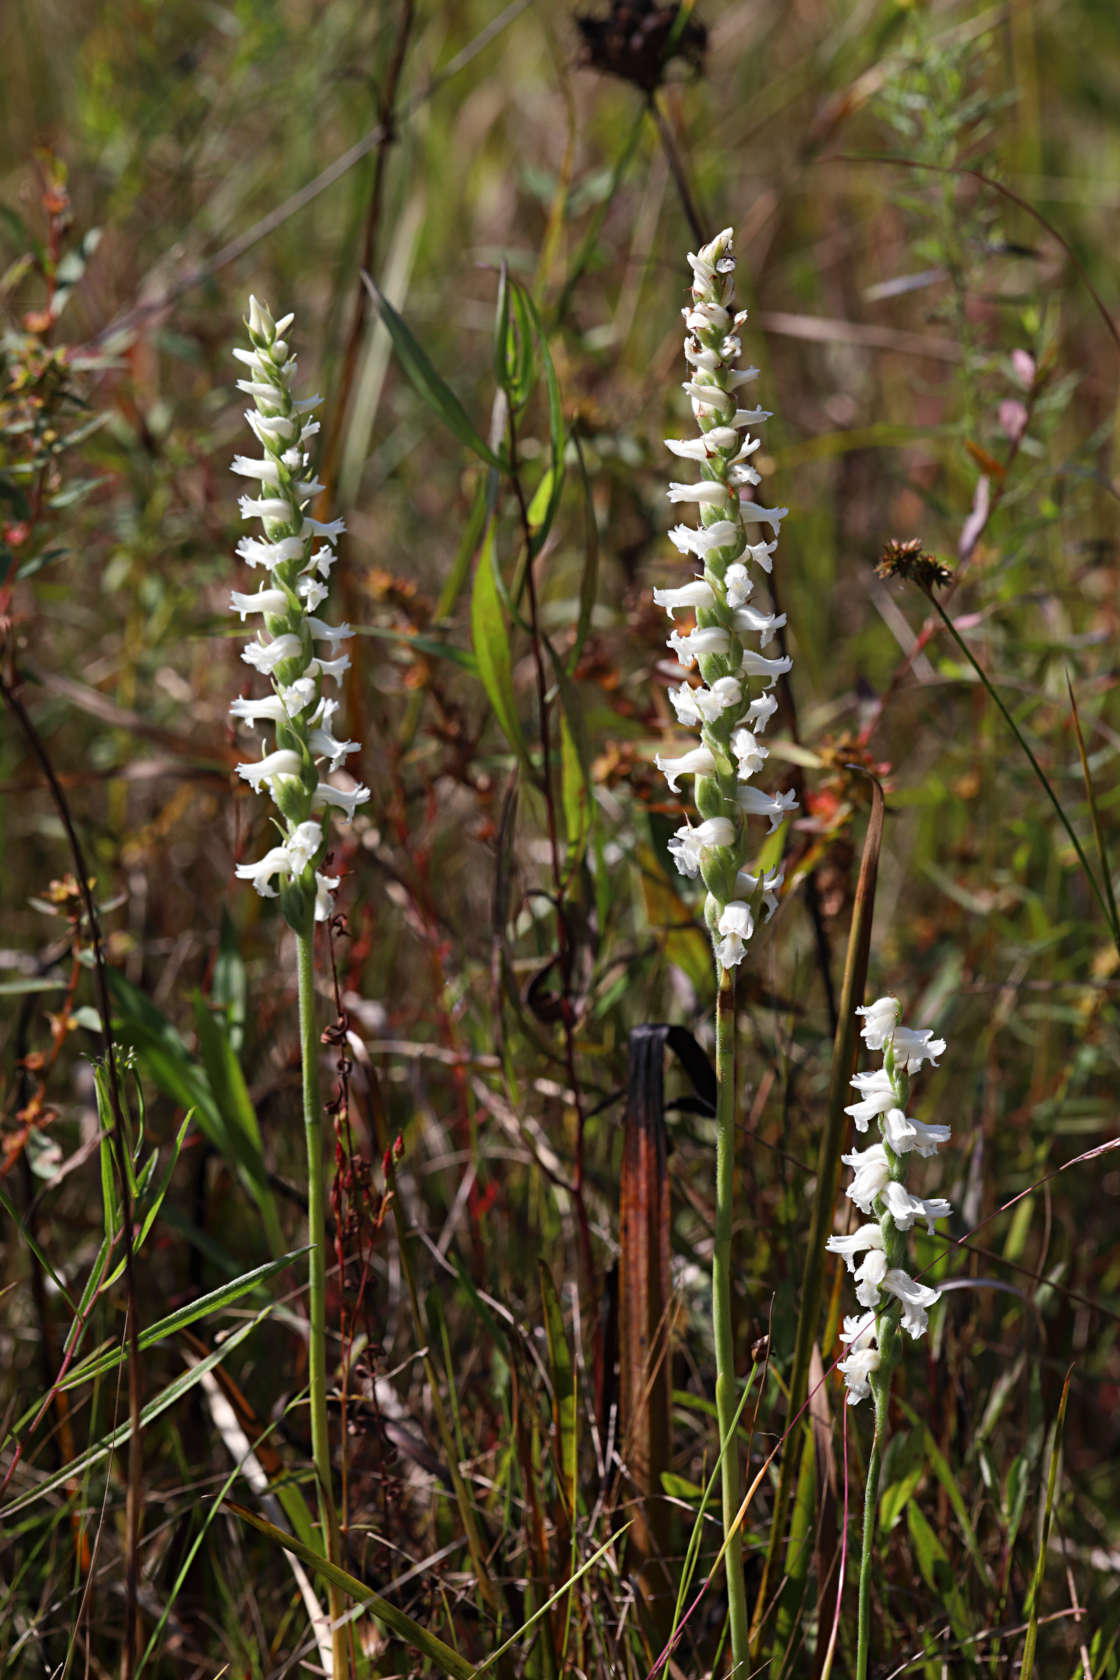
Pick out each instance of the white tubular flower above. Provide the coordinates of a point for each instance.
(731, 710)
(872, 1172)
(882, 1025)
(905, 1209)
(735, 926)
(689, 845)
(857, 1370)
(296, 551)
(915, 1297)
(876, 1097)
(697, 762)
(855, 1243)
(698, 593)
(869, 1275)
(877, 1189)
(904, 1133)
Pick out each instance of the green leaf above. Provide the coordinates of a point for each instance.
(427, 382)
(936, 1570)
(1030, 1643)
(243, 1135)
(575, 765)
(557, 435)
(230, 986)
(117, 1437)
(490, 638)
(446, 1660)
(589, 577)
(513, 343)
(564, 1418)
(96, 1364)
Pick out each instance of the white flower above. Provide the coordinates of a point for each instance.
(705, 492)
(345, 799)
(746, 885)
(708, 540)
(872, 1173)
(750, 754)
(876, 1097)
(689, 844)
(746, 621)
(270, 709)
(905, 1209)
(273, 863)
(699, 644)
(698, 762)
(698, 593)
(728, 711)
(856, 1242)
(695, 706)
(915, 1297)
(738, 585)
(298, 569)
(254, 552)
(776, 806)
(271, 601)
(869, 1275)
(903, 1133)
(736, 925)
(282, 763)
(757, 665)
(265, 656)
(858, 1331)
(760, 711)
(913, 1048)
(857, 1370)
(325, 885)
(879, 1021)
(302, 845)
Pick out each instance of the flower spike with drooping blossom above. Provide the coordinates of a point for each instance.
(874, 1252)
(297, 552)
(732, 705)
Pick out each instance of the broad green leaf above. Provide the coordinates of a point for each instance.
(936, 1570)
(427, 382)
(490, 636)
(575, 765)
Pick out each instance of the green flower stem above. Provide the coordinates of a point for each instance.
(881, 1393)
(723, 1322)
(317, 1278)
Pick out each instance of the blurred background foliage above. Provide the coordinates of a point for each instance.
(924, 198)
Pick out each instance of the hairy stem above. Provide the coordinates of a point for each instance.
(317, 1278)
(881, 1391)
(722, 1318)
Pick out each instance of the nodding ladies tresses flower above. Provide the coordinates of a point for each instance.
(731, 707)
(296, 551)
(874, 1252)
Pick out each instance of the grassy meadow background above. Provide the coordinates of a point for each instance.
(925, 201)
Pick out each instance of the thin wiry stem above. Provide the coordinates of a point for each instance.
(723, 1317)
